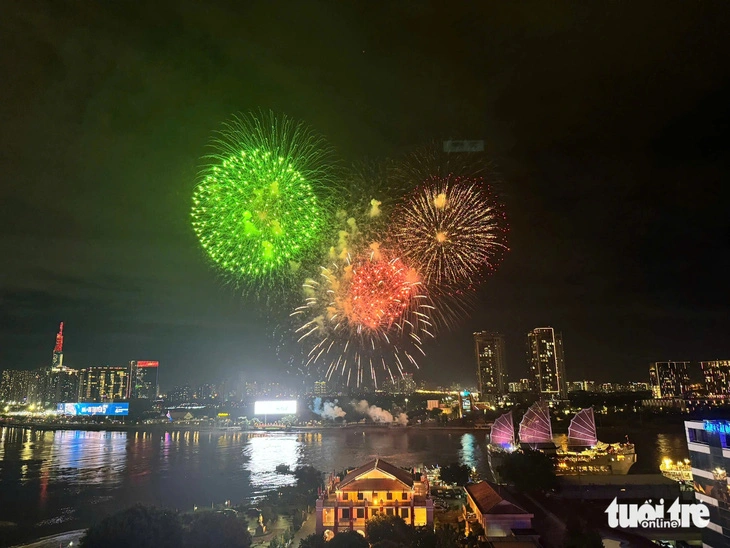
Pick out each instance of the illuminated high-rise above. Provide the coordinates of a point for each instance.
(669, 379)
(491, 371)
(107, 383)
(716, 375)
(142, 380)
(546, 362)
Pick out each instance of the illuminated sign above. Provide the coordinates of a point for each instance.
(92, 409)
(721, 427)
(284, 407)
(148, 364)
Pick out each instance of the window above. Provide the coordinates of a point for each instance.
(390, 511)
(360, 496)
(375, 495)
(404, 513)
(698, 436)
(389, 496)
(361, 513)
(344, 496)
(404, 495)
(345, 513)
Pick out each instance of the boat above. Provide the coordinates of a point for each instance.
(680, 471)
(584, 455)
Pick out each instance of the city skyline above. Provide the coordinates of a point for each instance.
(599, 151)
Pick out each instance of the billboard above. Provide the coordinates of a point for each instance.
(92, 409)
(279, 407)
(147, 364)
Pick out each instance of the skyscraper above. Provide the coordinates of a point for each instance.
(669, 379)
(491, 370)
(58, 349)
(546, 362)
(142, 380)
(717, 377)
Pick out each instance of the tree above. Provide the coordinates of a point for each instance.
(139, 526)
(313, 541)
(455, 473)
(391, 528)
(446, 537)
(308, 478)
(529, 470)
(349, 539)
(579, 535)
(222, 530)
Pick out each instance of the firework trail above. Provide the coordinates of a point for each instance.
(258, 209)
(364, 317)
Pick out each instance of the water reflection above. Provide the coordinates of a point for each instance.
(263, 453)
(77, 476)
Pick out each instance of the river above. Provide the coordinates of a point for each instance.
(55, 481)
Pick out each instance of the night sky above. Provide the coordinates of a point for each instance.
(608, 124)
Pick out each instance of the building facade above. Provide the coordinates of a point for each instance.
(60, 385)
(669, 379)
(491, 363)
(142, 380)
(373, 489)
(546, 362)
(400, 385)
(17, 385)
(709, 452)
(106, 383)
(716, 375)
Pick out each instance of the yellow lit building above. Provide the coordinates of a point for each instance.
(374, 488)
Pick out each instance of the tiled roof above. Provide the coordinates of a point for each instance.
(489, 501)
(378, 464)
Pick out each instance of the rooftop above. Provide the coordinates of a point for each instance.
(489, 501)
(380, 465)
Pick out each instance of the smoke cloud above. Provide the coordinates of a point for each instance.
(378, 414)
(327, 410)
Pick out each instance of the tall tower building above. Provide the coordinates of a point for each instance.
(669, 379)
(58, 349)
(491, 366)
(142, 380)
(546, 362)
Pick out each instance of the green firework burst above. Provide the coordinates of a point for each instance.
(257, 210)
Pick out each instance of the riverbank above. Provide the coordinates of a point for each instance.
(172, 427)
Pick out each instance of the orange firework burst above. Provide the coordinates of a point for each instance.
(365, 316)
(379, 292)
(453, 229)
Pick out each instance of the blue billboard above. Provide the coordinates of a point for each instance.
(91, 409)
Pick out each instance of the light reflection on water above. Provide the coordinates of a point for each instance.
(76, 476)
